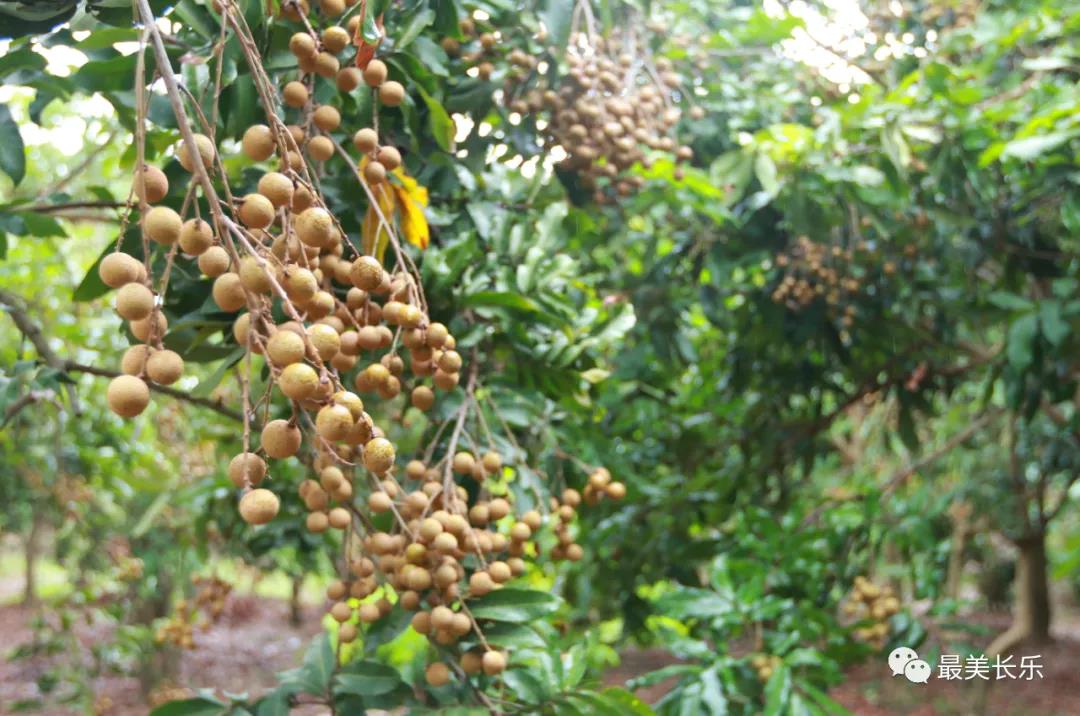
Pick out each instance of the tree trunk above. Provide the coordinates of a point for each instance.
(30, 553)
(956, 561)
(1033, 589)
(296, 615)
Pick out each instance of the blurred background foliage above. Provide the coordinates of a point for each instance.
(838, 343)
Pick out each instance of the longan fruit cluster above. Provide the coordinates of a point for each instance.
(870, 601)
(765, 665)
(479, 49)
(178, 629)
(607, 113)
(813, 271)
(210, 596)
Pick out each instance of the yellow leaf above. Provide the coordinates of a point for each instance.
(418, 193)
(374, 236)
(413, 222)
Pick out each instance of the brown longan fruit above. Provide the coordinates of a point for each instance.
(155, 322)
(295, 94)
(374, 172)
(256, 211)
(127, 395)
(295, 10)
(326, 65)
(347, 633)
(134, 360)
(366, 140)
(422, 397)
(332, 8)
(492, 461)
(165, 367)
(228, 292)
(300, 284)
(494, 662)
(339, 518)
(151, 184)
(214, 261)
(118, 269)
(285, 348)
(196, 237)
(341, 612)
(369, 612)
(450, 361)
(484, 70)
(279, 439)
(375, 73)
(616, 490)
(134, 301)
(471, 662)
(379, 502)
(258, 142)
(389, 157)
(349, 78)
(317, 522)
(480, 583)
(335, 39)
(206, 151)
(379, 455)
(327, 118)
(162, 225)
(320, 148)
(333, 422)
(391, 93)
(298, 381)
(259, 506)
(246, 468)
(444, 380)
(325, 339)
(302, 44)
(498, 508)
(336, 590)
(276, 187)
(574, 552)
(463, 463)
(437, 674)
(315, 226)
(254, 276)
(366, 273)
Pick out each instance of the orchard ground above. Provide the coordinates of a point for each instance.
(253, 641)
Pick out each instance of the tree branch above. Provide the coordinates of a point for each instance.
(216, 405)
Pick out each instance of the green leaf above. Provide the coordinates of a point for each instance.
(91, 286)
(778, 692)
(442, 126)
(502, 298)
(1053, 326)
(1022, 332)
(1010, 301)
(1029, 148)
(41, 225)
(627, 703)
(313, 676)
(765, 169)
(12, 151)
(191, 707)
(517, 606)
(367, 678)
(822, 700)
(514, 636)
(556, 17)
(415, 26)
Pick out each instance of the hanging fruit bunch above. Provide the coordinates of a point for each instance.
(340, 325)
(613, 107)
(869, 601)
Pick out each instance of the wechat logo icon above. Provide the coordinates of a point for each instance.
(904, 661)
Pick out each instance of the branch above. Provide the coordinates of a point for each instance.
(901, 475)
(52, 208)
(30, 329)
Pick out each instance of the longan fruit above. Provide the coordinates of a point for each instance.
(320, 305)
(228, 292)
(437, 674)
(315, 226)
(298, 381)
(326, 65)
(333, 422)
(134, 360)
(246, 468)
(127, 395)
(253, 275)
(276, 187)
(164, 367)
(259, 506)
(285, 348)
(366, 273)
(155, 323)
(375, 172)
(336, 590)
(391, 93)
(349, 79)
(300, 284)
(379, 455)
(375, 73)
(366, 140)
(341, 611)
(339, 518)
(335, 39)
(444, 380)
(196, 237)
(162, 225)
(347, 633)
(616, 490)
(492, 461)
(295, 94)
(214, 261)
(317, 522)
(279, 439)
(379, 502)
(325, 339)
(389, 157)
(480, 583)
(484, 70)
(302, 44)
(498, 508)
(134, 301)
(471, 662)
(327, 118)
(332, 8)
(494, 662)
(295, 10)
(206, 151)
(450, 361)
(151, 184)
(422, 397)
(320, 148)
(258, 142)
(463, 463)
(118, 269)
(574, 552)
(256, 211)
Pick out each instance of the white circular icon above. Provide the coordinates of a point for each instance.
(917, 671)
(899, 658)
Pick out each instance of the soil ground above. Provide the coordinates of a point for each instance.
(254, 640)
